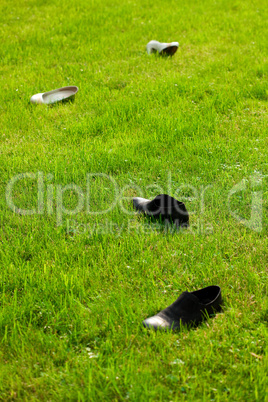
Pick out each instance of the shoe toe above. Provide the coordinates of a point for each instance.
(37, 98)
(139, 203)
(155, 322)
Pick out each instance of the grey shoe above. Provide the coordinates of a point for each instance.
(57, 95)
(167, 49)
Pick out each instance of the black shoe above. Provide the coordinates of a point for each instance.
(163, 207)
(189, 308)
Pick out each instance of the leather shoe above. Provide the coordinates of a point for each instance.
(163, 207)
(189, 308)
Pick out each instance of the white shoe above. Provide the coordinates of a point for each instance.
(162, 48)
(56, 95)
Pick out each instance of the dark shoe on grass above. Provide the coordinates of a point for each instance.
(189, 309)
(163, 207)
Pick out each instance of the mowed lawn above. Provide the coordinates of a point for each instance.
(79, 269)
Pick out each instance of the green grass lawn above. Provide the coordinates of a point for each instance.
(80, 273)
